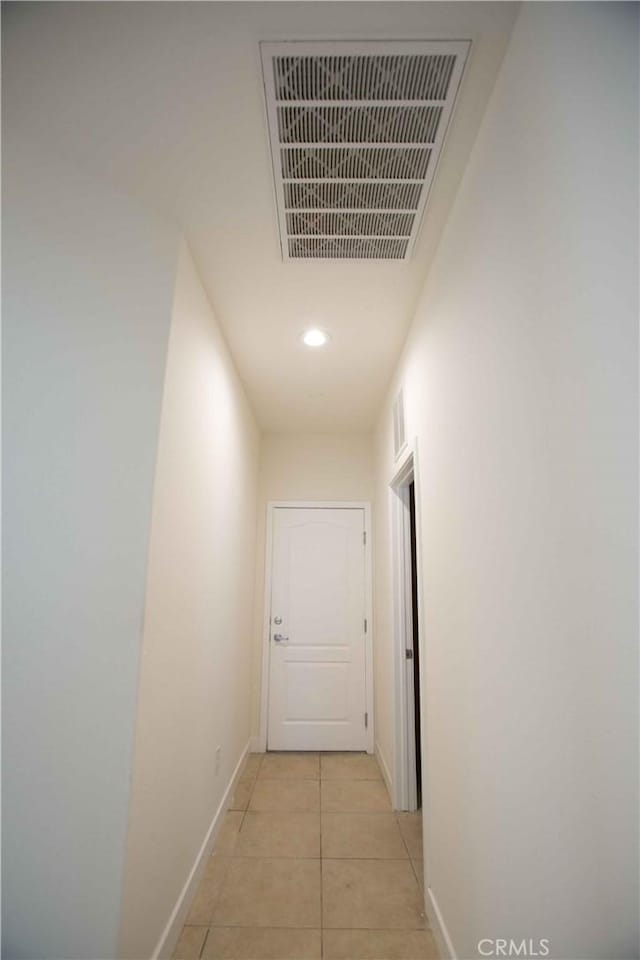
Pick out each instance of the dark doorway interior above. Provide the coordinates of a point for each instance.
(416, 647)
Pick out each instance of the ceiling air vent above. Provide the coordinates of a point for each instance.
(399, 436)
(356, 130)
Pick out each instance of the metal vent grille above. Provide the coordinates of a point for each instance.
(347, 248)
(358, 124)
(356, 131)
(335, 223)
(399, 435)
(402, 76)
(353, 195)
(354, 163)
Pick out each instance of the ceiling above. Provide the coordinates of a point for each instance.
(166, 101)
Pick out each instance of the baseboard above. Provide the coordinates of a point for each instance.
(384, 768)
(254, 745)
(167, 942)
(439, 927)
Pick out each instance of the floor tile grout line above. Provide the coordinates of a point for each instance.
(413, 869)
(253, 787)
(263, 857)
(406, 846)
(415, 873)
(280, 926)
(232, 854)
(397, 813)
(204, 942)
(321, 861)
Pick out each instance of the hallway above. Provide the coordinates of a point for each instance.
(321, 434)
(311, 862)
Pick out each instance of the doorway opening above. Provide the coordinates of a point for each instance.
(416, 644)
(408, 772)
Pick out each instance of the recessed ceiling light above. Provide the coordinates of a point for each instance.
(315, 338)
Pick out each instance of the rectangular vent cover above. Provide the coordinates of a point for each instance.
(356, 130)
(399, 436)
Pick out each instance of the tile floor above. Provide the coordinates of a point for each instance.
(311, 863)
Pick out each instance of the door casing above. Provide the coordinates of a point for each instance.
(272, 505)
(404, 765)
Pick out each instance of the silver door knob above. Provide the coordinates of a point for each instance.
(278, 638)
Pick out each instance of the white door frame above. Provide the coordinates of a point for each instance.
(405, 795)
(272, 505)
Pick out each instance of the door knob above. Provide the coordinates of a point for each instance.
(278, 638)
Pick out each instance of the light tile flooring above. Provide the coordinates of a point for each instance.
(311, 863)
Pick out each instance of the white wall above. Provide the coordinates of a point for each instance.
(521, 386)
(316, 466)
(295, 466)
(195, 666)
(87, 286)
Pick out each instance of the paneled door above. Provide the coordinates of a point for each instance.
(317, 662)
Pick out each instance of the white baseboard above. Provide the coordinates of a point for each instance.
(385, 769)
(254, 745)
(439, 928)
(167, 942)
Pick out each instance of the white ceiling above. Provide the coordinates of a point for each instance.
(166, 100)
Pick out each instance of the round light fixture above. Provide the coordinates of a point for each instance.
(314, 337)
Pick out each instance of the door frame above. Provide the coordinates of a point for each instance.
(404, 763)
(272, 506)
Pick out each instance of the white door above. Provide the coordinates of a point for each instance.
(317, 689)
